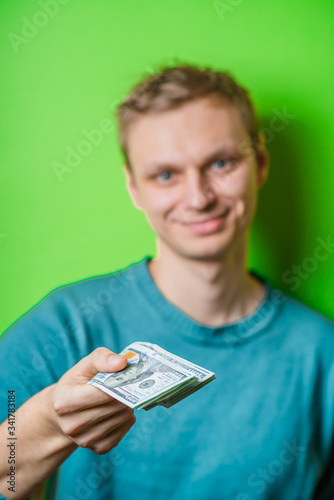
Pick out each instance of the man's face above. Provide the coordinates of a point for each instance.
(195, 176)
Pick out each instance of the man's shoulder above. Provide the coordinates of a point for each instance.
(112, 282)
(308, 324)
(72, 299)
(101, 286)
(304, 312)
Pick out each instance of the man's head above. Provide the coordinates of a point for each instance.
(171, 87)
(193, 153)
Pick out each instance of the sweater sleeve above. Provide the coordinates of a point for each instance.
(325, 488)
(36, 351)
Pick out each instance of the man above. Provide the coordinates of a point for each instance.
(264, 429)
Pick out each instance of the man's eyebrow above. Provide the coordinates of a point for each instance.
(218, 153)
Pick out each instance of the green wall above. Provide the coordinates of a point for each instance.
(67, 63)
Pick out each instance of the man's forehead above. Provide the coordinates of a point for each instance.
(155, 163)
(192, 114)
(154, 159)
(198, 129)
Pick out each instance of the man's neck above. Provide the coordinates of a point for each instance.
(214, 292)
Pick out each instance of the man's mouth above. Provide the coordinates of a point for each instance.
(207, 225)
(207, 218)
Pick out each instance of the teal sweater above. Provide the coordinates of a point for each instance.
(263, 430)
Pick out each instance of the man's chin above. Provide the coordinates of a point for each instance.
(205, 254)
(202, 248)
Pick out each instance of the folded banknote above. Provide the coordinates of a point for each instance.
(152, 377)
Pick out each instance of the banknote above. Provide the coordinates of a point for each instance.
(153, 376)
(202, 375)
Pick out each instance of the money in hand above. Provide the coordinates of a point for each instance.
(152, 377)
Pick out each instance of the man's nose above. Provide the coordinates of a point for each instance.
(198, 192)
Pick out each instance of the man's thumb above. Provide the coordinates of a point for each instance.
(99, 360)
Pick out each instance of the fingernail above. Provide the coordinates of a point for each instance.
(114, 360)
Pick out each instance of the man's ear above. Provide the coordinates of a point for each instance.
(262, 160)
(131, 187)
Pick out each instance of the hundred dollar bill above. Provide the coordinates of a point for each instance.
(202, 375)
(146, 376)
(152, 377)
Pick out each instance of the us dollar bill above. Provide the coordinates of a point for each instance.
(146, 376)
(200, 373)
(153, 376)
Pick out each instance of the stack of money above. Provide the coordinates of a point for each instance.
(152, 377)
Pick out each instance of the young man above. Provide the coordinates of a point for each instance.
(264, 429)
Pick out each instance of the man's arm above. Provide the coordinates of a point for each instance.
(63, 416)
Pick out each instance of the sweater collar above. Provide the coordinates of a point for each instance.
(183, 325)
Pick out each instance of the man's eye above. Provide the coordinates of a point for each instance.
(164, 176)
(221, 164)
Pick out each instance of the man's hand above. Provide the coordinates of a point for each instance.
(86, 415)
(61, 417)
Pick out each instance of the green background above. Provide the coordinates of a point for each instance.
(67, 75)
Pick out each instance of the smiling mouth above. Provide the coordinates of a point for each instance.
(204, 221)
(207, 226)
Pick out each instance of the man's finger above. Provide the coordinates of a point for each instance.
(99, 360)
